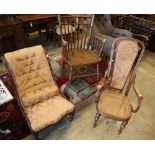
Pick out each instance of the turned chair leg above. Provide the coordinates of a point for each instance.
(71, 116)
(97, 116)
(97, 69)
(123, 124)
(70, 74)
(63, 66)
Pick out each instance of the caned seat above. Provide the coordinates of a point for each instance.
(115, 104)
(35, 89)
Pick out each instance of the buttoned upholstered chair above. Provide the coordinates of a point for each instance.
(112, 31)
(112, 90)
(81, 48)
(36, 91)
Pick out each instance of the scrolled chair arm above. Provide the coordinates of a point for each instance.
(139, 97)
(101, 86)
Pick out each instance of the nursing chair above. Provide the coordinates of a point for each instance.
(82, 47)
(112, 90)
(37, 94)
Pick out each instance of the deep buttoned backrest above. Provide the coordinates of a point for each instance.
(30, 70)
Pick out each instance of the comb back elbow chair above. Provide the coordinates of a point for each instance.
(112, 90)
(82, 47)
(37, 94)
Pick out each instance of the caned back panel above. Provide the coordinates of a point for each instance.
(125, 57)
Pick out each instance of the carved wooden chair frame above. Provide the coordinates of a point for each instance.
(105, 82)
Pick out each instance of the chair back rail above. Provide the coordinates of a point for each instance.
(76, 30)
(96, 44)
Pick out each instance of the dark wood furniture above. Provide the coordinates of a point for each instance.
(37, 22)
(12, 125)
(11, 34)
(137, 24)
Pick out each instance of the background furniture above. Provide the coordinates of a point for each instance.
(37, 94)
(79, 92)
(113, 89)
(110, 30)
(11, 34)
(142, 26)
(38, 22)
(125, 26)
(82, 47)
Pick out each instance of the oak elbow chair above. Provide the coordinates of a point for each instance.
(37, 94)
(82, 47)
(112, 90)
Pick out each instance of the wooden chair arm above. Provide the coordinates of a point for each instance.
(65, 59)
(64, 42)
(101, 86)
(101, 83)
(98, 37)
(138, 94)
(99, 92)
(139, 97)
(65, 50)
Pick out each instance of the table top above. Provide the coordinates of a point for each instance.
(26, 18)
(8, 21)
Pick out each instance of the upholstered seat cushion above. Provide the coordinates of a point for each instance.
(82, 56)
(48, 112)
(39, 95)
(115, 104)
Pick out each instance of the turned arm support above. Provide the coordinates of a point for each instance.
(64, 42)
(139, 97)
(101, 83)
(101, 86)
(64, 52)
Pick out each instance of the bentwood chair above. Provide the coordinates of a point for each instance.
(36, 91)
(112, 90)
(82, 47)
